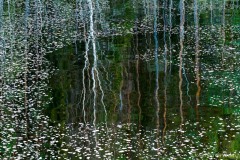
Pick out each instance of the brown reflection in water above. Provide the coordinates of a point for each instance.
(165, 108)
(138, 85)
(182, 21)
(197, 60)
(125, 93)
(129, 90)
(139, 95)
(165, 75)
(156, 90)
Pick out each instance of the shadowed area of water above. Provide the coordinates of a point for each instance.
(131, 79)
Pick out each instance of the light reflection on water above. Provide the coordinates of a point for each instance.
(159, 80)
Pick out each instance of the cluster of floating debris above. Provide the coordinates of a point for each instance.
(128, 141)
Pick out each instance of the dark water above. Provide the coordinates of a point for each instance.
(120, 79)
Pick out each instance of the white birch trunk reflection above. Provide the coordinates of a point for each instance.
(170, 33)
(94, 69)
(85, 69)
(121, 97)
(223, 31)
(2, 55)
(211, 9)
(10, 29)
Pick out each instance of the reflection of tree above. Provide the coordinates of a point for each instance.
(165, 71)
(197, 54)
(182, 22)
(156, 90)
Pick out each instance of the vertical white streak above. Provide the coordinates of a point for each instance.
(211, 8)
(170, 32)
(2, 53)
(223, 30)
(102, 97)
(86, 63)
(10, 29)
(94, 68)
(1, 13)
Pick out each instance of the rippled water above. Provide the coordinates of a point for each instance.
(120, 79)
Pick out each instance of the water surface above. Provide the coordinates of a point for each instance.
(117, 79)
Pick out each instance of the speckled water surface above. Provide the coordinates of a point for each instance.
(119, 79)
